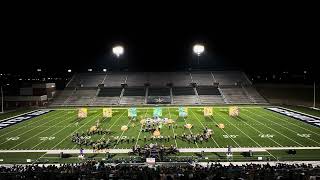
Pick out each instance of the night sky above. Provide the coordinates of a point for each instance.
(159, 38)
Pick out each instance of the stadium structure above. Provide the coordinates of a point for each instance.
(145, 88)
(168, 119)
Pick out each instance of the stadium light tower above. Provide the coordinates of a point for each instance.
(118, 50)
(198, 49)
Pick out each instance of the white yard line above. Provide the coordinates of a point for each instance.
(260, 132)
(113, 124)
(288, 121)
(190, 131)
(225, 133)
(174, 134)
(41, 132)
(273, 130)
(247, 135)
(37, 120)
(140, 129)
(121, 135)
(285, 127)
(54, 133)
(76, 130)
(204, 127)
(239, 130)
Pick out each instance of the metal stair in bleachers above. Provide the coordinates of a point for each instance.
(209, 95)
(109, 96)
(133, 95)
(129, 88)
(184, 95)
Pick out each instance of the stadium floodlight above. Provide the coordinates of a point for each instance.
(69, 70)
(198, 49)
(118, 51)
(39, 70)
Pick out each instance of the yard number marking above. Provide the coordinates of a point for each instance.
(304, 135)
(230, 136)
(266, 135)
(13, 138)
(47, 138)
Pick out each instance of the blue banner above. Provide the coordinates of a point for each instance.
(183, 111)
(132, 112)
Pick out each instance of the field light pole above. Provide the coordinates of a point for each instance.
(198, 49)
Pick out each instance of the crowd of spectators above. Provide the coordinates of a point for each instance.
(99, 170)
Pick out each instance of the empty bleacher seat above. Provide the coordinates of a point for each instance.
(109, 92)
(209, 95)
(133, 95)
(159, 92)
(87, 80)
(208, 90)
(184, 95)
(202, 78)
(235, 95)
(180, 79)
(230, 77)
(136, 79)
(115, 80)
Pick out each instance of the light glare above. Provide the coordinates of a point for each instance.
(198, 49)
(118, 50)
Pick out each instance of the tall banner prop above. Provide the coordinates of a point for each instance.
(132, 112)
(207, 111)
(107, 112)
(157, 112)
(183, 112)
(83, 112)
(234, 111)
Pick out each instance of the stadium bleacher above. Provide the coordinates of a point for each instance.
(184, 95)
(136, 79)
(180, 79)
(209, 95)
(81, 97)
(62, 96)
(159, 95)
(215, 87)
(158, 79)
(202, 78)
(87, 80)
(133, 95)
(114, 79)
(235, 95)
(230, 78)
(108, 96)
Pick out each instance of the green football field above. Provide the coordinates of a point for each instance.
(256, 127)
